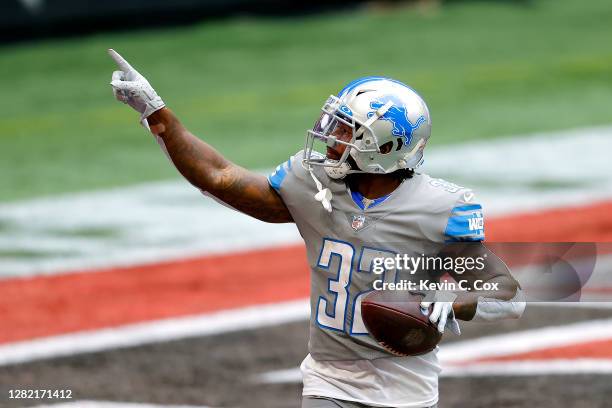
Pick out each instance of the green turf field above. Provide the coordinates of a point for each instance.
(252, 86)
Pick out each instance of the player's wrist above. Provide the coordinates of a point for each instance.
(158, 120)
(153, 105)
(158, 116)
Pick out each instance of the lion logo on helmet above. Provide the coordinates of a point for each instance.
(398, 116)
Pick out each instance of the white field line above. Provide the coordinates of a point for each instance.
(455, 357)
(511, 368)
(171, 220)
(525, 341)
(531, 367)
(273, 314)
(287, 376)
(110, 404)
(154, 332)
(126, 226)
(576, 305)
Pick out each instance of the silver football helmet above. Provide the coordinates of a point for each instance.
(390, 126)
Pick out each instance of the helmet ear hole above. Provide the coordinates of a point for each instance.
(386, 148)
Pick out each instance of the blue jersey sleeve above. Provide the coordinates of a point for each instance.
(466, 220)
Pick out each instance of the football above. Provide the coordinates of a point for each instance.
(395, 320)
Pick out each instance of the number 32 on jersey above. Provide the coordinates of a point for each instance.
(332, 307)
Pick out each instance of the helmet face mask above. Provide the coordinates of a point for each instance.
(333, 116)
(380, 112)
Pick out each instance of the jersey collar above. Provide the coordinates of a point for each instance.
(365, 203)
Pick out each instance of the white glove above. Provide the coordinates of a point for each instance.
(442, 314)
(132, 88)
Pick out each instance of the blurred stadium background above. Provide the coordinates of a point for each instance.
(120, 282)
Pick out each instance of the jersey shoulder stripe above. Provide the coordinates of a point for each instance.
(276, 178)
(465, 223)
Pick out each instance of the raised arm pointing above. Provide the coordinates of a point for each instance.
(197, 161)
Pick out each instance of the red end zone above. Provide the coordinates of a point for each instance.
(45, 306)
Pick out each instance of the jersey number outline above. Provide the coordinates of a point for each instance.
(338, 286)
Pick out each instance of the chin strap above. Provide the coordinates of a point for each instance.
(324, 196)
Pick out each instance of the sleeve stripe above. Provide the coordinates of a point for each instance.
(464, 239)
(459, 226)
(467, 226)
(470, 207)
(276, 179)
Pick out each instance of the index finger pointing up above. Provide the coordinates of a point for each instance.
(121, 62)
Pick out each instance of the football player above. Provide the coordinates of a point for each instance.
(361, 199)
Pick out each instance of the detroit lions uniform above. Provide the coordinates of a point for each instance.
(418, 218)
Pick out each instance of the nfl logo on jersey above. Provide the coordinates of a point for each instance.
(358, 221)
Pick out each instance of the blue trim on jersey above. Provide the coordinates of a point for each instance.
(358, 199)
(464, 239)
(458, 226)
(465, 227)
(470, 207)
(276, 179)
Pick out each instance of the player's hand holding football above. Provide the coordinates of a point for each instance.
(442, 313)
(130, 87)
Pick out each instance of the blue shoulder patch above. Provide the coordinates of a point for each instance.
(465, 223)
(276, 178)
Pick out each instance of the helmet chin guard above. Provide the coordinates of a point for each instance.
(337, 172)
